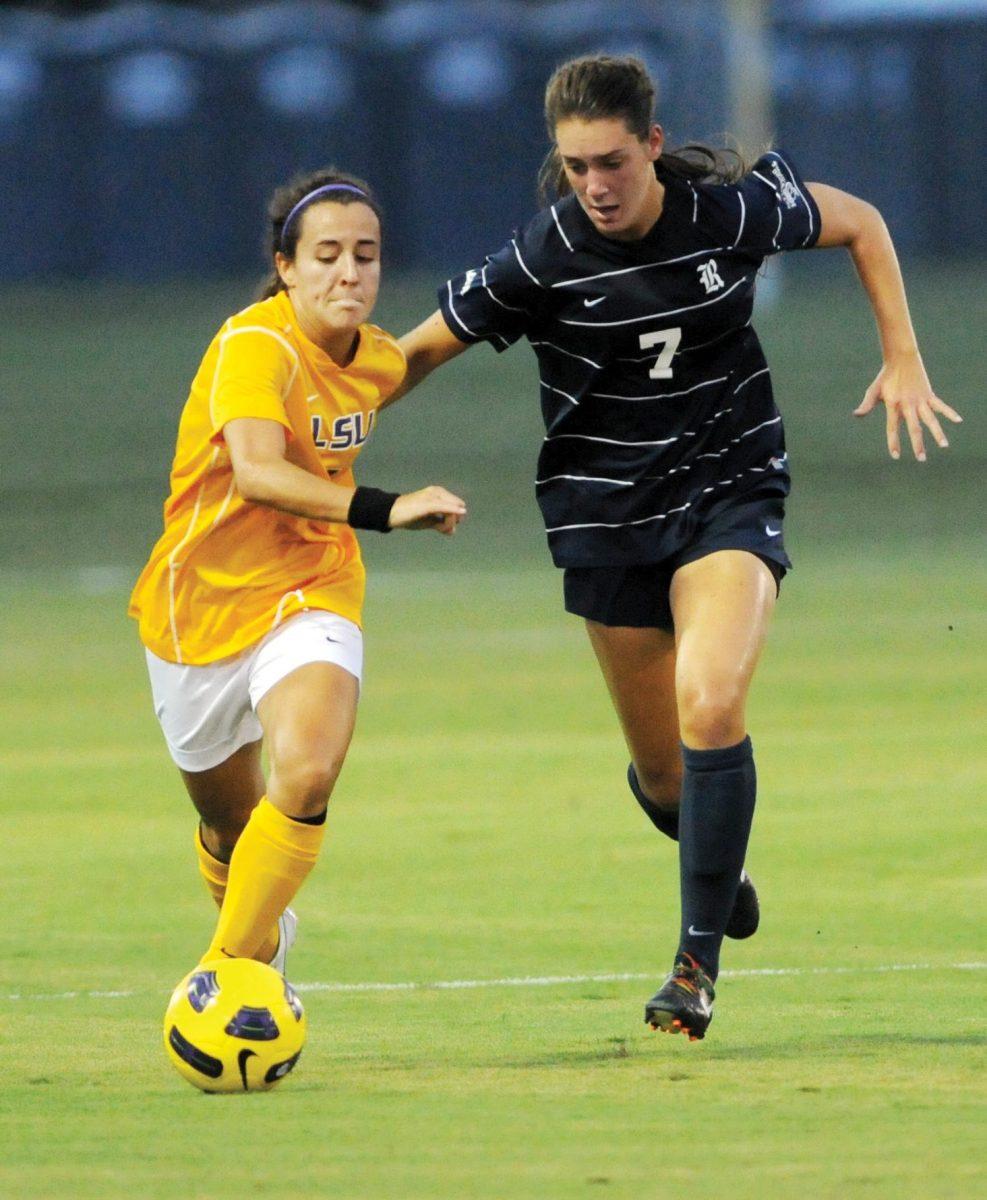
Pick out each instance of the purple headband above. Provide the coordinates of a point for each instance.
(320, 191)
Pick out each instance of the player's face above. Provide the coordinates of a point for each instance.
(612, 173)
(333, 279)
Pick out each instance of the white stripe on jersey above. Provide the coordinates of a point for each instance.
(672, 312)
(517, 255)
(765, 179)
(621, 524)
(560, 391)
(582, 358)
(743, 383)
(695, 203)
(658, 516)
(509, 307)
(665, 262)
(585, 437)
(743, 218)
(755, 428)
(558, 226)
(736, 442)
(663, 395)
(461, 322)
(452, 309)
(587, 479)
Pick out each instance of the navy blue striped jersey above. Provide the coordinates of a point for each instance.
(655, 393)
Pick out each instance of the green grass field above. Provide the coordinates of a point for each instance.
(481, 830)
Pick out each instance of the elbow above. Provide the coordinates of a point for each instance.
(870, 226)
(251, 484)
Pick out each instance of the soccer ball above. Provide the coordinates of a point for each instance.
(234, 1025)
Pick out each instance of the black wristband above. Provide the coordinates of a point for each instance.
(370, 508)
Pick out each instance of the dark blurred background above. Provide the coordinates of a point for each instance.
(139, 143)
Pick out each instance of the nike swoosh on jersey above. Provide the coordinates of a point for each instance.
(772, 532)
(694, 932)
(591, 303)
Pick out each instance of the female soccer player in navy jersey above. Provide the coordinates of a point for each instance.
(663, 475)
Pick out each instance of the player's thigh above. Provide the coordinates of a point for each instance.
(308, 719)
(638, 665)
(225, 795)
(722, 606)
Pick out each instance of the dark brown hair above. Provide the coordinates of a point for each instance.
(600, 86)
(285, 241)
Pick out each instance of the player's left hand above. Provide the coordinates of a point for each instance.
(429, 508)
(903, 387)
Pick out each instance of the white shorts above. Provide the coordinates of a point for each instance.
(208, 712)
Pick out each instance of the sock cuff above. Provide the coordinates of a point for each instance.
(298, 839)
(213, 868)
(722, 759)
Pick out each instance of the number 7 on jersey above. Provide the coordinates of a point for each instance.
(669, 340)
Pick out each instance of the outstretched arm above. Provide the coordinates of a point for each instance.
(426, 347)
(902, 384)
(264, 476)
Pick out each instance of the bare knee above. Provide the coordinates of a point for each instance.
(661, 781)
(300, 785)
(220, 834)
(711, 717)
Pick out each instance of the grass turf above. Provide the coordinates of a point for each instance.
(480, 831)
(481, 828)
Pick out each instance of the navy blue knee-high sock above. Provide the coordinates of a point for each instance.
(718, 791)
(666, 820)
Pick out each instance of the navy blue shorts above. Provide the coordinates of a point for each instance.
(639, 595)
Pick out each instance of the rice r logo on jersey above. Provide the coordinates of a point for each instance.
(786, 189)
(709, 276)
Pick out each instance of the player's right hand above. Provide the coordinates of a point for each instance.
(430, 508)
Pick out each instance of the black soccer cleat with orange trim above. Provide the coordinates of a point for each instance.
(746, 914)
(684, 1002)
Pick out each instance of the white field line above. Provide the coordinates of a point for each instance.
(456, 985)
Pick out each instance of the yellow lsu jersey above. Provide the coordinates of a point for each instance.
(226, 571)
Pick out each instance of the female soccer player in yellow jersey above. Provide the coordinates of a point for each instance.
(249, 606)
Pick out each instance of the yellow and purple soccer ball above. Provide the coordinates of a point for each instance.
(234, 1025)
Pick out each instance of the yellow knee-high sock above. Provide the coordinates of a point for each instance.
(270, 863)
(213, 870)
(216, 874)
